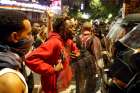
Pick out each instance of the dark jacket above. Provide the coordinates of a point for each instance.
(9, 59)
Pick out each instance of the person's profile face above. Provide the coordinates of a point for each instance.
(36, 26)
(26, 33)
(70, 26)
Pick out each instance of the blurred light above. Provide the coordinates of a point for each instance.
(7, 2)
(34, 1)
(56, 9)
(27, 5)
(82, 6)
(106, 21)
(96, 2)
(19, 8)
(85, 16)
(110, 15)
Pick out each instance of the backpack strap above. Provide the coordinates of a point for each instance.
(90, 48)
(89, 44)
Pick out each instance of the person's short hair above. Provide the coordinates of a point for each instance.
(10, 21)
(59, 23)
(87, 26)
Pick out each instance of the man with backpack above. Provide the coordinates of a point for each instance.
(88, 62)
(15, 41)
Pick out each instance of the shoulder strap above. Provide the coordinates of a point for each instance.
(89, 44)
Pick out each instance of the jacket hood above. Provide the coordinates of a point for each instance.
(8, 59)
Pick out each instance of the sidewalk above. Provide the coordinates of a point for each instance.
(37, 83)
(71, 88)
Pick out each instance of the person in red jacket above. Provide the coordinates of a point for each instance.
(50, 57)
(73, 52)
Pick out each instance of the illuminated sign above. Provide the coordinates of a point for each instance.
(22, 0)
(27, 5)
(55, 6)
(20, 8)
(56, 3)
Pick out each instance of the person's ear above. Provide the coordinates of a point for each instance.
(14, 37)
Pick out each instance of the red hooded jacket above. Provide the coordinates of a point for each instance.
(43, 59)
(66, 74)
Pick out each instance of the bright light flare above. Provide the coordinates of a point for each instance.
(85, 16)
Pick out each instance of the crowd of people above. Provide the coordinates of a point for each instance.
(59, 51)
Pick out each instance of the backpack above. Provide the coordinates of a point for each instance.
(86, 63)
(85, 71)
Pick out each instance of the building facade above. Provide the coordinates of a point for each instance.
(131, 6)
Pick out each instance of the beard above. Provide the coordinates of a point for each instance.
(67, 35)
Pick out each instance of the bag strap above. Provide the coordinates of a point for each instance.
(89, 47)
